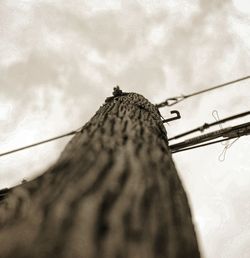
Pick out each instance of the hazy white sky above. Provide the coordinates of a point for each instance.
(59, 60)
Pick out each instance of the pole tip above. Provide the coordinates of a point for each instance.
(117, 91)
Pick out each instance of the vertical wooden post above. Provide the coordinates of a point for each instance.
(113, 193)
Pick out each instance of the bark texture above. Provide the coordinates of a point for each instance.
(113, 193)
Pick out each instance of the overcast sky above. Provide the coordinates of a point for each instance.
(59, 60)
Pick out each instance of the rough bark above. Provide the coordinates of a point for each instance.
(114, 192)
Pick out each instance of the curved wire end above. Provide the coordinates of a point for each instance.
(177, 116)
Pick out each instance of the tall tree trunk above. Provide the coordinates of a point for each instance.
(113, 193)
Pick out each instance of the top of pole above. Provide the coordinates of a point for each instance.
(117, 91)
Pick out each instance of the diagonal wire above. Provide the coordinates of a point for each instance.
(226, 133)
(208, 125)
(174, 100)
(163, 104)
(41, 142)
(200, 145)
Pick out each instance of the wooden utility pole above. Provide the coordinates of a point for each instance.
(113, 193)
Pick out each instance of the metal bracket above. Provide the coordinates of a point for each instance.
(178, 116)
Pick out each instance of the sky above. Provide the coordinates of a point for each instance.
(59, 60)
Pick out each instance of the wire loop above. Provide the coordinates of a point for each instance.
(175, 100)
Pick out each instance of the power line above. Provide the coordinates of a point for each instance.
(227, 133)
(41, 142)
(234, 132)
(165, 103)
(201, 145)
(208, 125)
(174, 100)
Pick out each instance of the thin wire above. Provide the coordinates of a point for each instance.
(210, 143)
(208, 125)
(200, 145)
(228, 133)
(41, 142)
(216, 116)
(222, 156)
(174, 100)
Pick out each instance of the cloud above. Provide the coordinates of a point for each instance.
(59, 61)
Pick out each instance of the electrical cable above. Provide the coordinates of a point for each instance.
(201, 145)
(174, 100)
(41, 142)
(163, 104)
(229, 133)
(208, 125)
